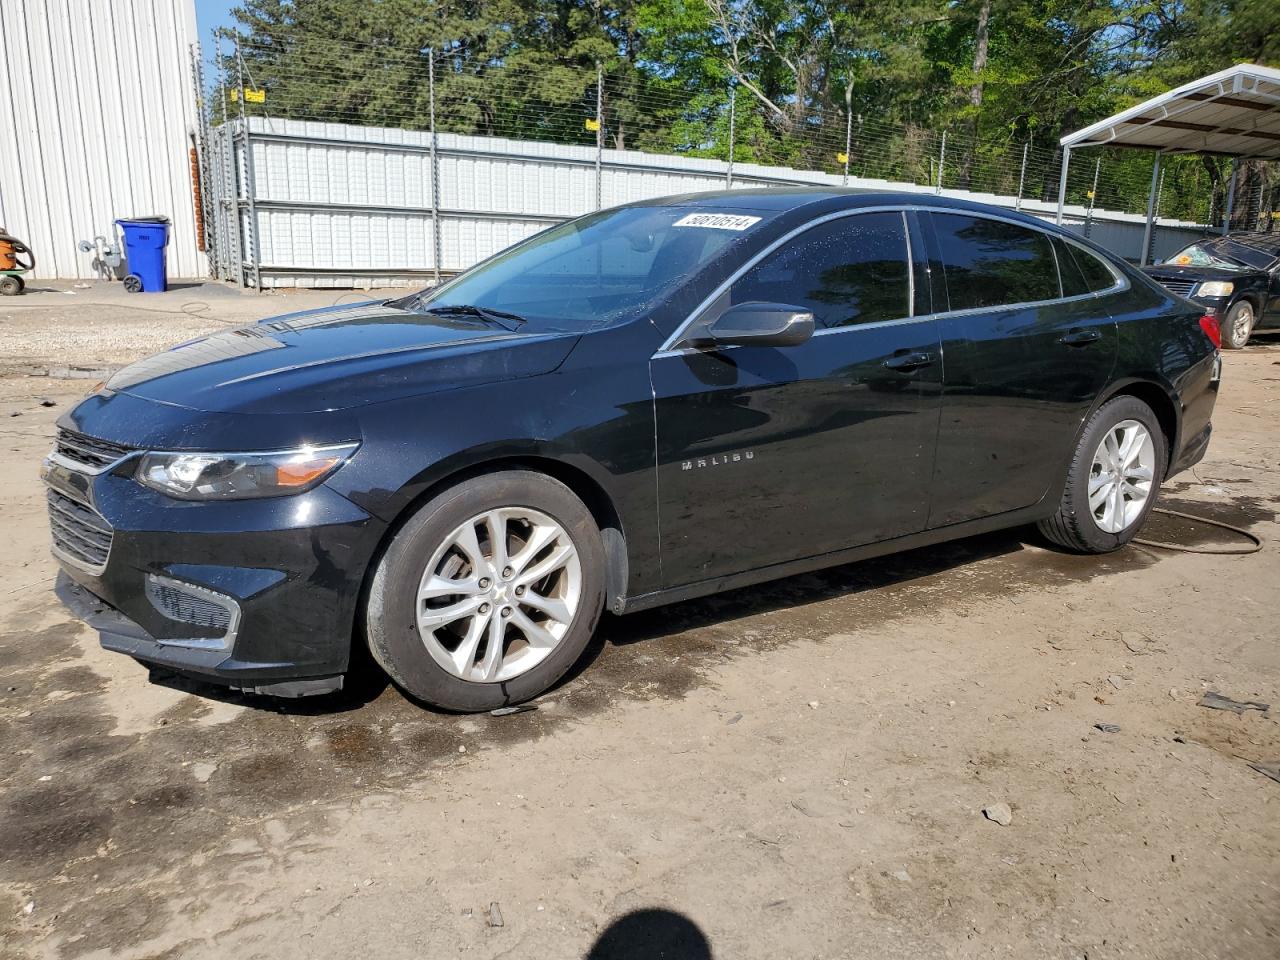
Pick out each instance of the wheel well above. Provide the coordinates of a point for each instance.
(1161, 405)
(584, 487)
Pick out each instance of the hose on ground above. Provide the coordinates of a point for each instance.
(1224, 551)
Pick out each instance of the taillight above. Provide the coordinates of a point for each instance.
(1212, 329)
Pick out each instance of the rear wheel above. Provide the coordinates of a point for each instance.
(1237, 325)
(1113, 479)
(489, 593)
(10, 286)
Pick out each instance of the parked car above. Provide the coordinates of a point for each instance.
(643, 405)
(1236, 278)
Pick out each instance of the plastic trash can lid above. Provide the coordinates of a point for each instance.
(153, 218)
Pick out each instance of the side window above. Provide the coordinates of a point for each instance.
(989, 263)
(1074, 283)
(1096, 273)
(847, 271)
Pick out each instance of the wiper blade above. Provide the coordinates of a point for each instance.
(508, 321)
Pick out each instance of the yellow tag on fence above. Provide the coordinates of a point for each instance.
(250, 96)
(842, 158)
(592, 124)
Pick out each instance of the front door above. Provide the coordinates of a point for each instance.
(770, 454)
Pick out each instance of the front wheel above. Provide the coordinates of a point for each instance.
(1237, 325)
(1113, 479)
(489, 593)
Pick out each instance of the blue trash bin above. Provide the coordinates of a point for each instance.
(145, 239)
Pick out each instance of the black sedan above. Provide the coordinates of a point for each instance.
(640, 406)
(1236, 278)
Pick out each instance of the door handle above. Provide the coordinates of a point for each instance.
(1080, 338)
(909, 361)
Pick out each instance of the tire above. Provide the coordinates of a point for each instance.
(531, 504)
(133, 283)
(1237, 325)
(1076, 525)
(10, 286)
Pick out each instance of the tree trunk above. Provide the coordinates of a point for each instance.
(981, 36)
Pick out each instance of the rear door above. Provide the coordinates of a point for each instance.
(770, 454)
(1028, 347)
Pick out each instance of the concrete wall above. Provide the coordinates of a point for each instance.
(96, 114)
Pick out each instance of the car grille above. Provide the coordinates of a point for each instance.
(1182, 288)
(81, 535)
(89, 451)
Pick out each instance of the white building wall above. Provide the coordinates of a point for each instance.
(96, 118)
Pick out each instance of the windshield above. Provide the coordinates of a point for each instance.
(591, 272)
(1201, 255)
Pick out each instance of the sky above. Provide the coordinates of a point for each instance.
(211, 14)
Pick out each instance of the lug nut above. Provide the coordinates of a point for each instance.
(484, 583)
(484, 608)
(519, 591)
(506, 611)
(506, 573)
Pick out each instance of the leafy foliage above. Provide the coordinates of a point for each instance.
(1004, 78)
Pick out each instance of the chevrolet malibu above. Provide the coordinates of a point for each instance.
(643, 405)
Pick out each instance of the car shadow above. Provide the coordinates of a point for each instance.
(800, 590)
(365, 681)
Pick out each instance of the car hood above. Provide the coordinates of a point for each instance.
(1179, 272)
(337, 358)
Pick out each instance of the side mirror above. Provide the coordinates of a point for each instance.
(760, 325)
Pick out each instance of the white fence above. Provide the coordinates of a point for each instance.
(324, 204)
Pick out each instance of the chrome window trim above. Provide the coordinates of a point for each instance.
(669, 346)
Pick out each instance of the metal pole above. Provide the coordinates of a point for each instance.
(942, 159)
(1231, 196)
(1151, 213)
(733, 118)
(599, 131)
(203, 173)
(1159, 197)
(1093, 197)
(1022, 176)
(435, 166)
(848, 142)
(1062, 183)
(246, 147)
(230, 260)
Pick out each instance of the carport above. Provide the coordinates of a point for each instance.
(1233, 113)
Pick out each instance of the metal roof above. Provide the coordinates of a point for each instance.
(1235, 112)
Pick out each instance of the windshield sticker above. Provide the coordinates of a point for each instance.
(717, 221)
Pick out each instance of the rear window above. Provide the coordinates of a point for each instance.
(1096, 273)
(1074, 283)
(991, 263)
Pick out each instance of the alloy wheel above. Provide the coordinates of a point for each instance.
(1242, 324)
(499, 594)
(1122, 475)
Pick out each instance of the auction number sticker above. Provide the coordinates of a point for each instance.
(717, 221)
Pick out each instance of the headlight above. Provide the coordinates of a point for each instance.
(1215, 288)
(240, 476)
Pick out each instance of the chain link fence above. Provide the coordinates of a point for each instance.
(344, 164)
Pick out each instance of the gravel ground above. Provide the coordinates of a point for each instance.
(796, 770)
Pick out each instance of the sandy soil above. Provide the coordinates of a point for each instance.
(796, 770)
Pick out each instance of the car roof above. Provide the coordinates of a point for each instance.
(1268, 243)
(826, 199)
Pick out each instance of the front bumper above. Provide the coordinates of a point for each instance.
(288, 572)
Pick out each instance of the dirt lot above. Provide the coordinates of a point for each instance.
(790, 771)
